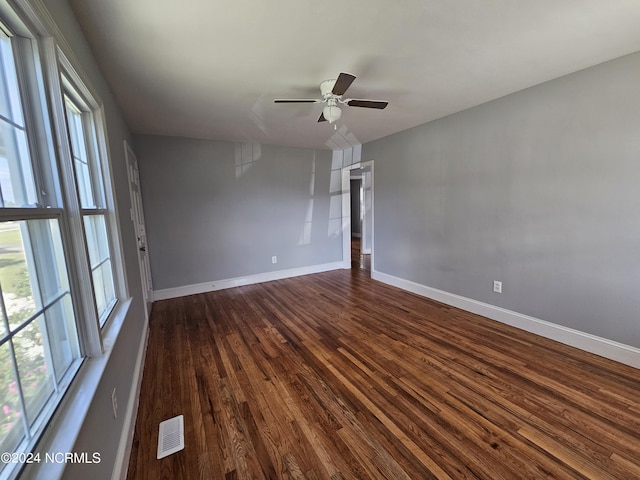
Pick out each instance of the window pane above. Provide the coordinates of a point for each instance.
(75, 129)
(3, 324)
(96, 231)
(103, 284)
(9, 94)
(100, 258)
(33, 283)
(80, 155)
(83, 180)
(17, 185)
(62, 341)
(32, 267)
(48, 257)
(16, 174)
(11, 429)
(36, 374)
(17, 292)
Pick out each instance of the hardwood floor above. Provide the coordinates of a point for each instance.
(358, 259)
(337, 376)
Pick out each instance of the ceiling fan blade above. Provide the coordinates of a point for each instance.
(353, 102)
(297, 100)
(343, 82)
(321, 118)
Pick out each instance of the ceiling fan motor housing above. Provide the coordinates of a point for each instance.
(326, 88)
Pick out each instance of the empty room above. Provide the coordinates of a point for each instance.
(319, 240)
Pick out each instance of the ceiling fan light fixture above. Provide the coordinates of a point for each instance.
(331, 113)
(332, 92)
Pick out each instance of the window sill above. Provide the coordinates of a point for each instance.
(63, 429)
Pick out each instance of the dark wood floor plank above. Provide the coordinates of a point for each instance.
(336, 376)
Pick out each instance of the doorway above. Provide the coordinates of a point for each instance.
(357, 214)
(137, 216)
(359, 259)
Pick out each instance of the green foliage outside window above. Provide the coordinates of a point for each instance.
(16, 291)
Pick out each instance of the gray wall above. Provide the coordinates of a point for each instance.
(539, 189)
(220, 210)
(101, 432)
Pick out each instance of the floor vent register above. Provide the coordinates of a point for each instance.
(171, 436)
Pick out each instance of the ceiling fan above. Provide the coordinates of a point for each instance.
(332, 92)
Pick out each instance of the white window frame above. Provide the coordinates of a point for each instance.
(64, 76)
(51, 59)
(87, 108)
(48, 206)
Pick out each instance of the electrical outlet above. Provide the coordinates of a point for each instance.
(114, 403)
(274, 259)
(497, 286)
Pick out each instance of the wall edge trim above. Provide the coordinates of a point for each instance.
(575, 338)
(121, 464)
(215, 285)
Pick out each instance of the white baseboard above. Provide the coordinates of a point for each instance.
(239, 281)
(600, 346)
(121, 464)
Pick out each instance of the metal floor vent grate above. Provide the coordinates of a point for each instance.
(171, 436)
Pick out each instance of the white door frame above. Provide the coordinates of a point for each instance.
(346, 213)
(137, 217)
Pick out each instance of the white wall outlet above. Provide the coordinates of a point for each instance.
(274, 259)
(114, 403)
(497, 286)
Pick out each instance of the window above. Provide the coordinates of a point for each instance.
(88, 179)
(39, 349)
(60, 281)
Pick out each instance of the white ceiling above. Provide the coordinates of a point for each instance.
(211, 69)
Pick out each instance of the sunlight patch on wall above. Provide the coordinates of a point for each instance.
(257, 114)
(312, 178)
(246, 155)
(305, 235)
(335, 185)
(336, 160)
(335, 190)
(335, 215)
(342, 139)
(339, 160)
